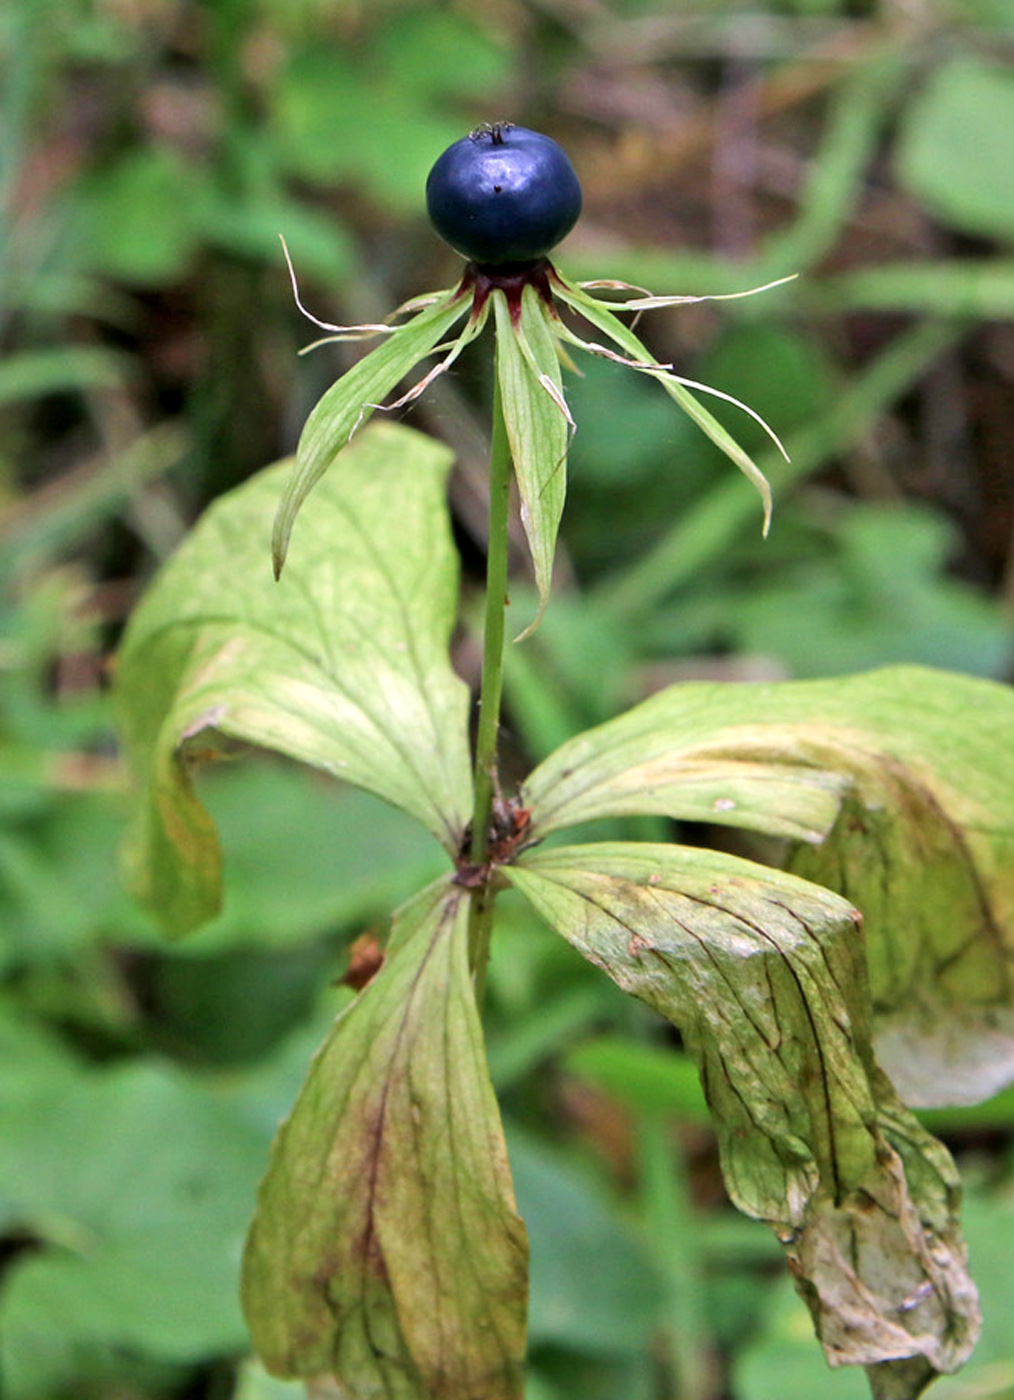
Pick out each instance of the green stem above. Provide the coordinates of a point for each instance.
(481, 918)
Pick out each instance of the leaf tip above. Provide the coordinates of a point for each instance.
(536, 621)
(279, 543)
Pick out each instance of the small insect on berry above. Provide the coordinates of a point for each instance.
(504, 194)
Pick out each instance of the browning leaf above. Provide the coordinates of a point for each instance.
(764, 974)
(386, 1252)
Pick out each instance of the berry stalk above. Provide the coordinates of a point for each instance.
(491, 687)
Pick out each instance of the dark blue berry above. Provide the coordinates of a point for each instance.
(503, 195)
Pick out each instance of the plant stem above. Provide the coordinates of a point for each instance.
(481, 918)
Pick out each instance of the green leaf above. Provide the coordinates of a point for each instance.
(537, 426)
(254, 1383)
(692, 752)
(386, 1250)
(248, 228)
(322, 98)
(878, 592)
(343, 665)
(168, 1292)
(764, 976)
(649, 1078)
(137, 217)
(136, 1184)
(331, 857)
(966, 106)
(70, 1151)
(437, 53)
(594, 1289)
(350, 401)
(898, 786)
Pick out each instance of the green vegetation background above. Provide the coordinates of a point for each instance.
(151, 151)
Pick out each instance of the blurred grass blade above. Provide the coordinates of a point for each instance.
(32, 374)
(57, 515)
(976, 289)
(859, 111)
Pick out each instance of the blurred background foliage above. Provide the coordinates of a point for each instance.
(151, 151)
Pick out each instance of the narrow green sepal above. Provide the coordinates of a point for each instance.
(538, 427)
(349, 403)
(643, 360)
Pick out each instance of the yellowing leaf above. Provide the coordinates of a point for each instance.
(342, 664)
(386, 1251)
(897, 788)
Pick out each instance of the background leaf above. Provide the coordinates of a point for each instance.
(136, 1185)
(967, 105)
(342, 665)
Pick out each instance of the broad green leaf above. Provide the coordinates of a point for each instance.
(254, 1383)
(331, 856)
(136, 217)
(342, 665)
(898, 787)
(71, 1151)
(693, 752)
(877, 592)
(594, 1289)
(168, 1293)
(537, 427)
(966, 106)
(764, 976)
(649, 1078)
(386, 1250)
(439, 53)
(135, 1183)
(349, 403)
(341, 119)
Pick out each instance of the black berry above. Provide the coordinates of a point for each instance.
(503, 195)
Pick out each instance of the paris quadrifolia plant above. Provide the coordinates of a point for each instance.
(869, 972)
